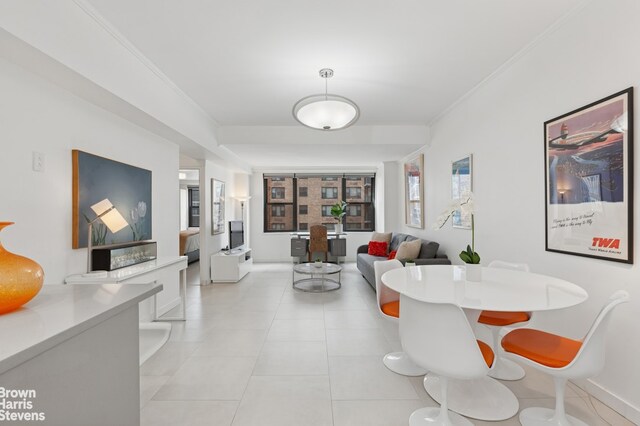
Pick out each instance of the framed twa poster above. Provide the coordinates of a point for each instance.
(589, 180)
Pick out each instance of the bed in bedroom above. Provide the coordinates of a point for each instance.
(190, 244)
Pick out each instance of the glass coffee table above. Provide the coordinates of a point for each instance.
(317, 278)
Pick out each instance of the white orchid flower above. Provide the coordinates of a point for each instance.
(134, 215)
(142, 209)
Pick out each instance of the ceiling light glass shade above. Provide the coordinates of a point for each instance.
(326, 112)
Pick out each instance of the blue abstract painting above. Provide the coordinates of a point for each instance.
(127, 187)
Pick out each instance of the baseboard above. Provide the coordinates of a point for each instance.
(618, 404)
(169, 306)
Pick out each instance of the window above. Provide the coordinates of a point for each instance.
(354, 192)
(280, 203)
(354, 210)
(277, 193)
(329, 192)
(295, 202)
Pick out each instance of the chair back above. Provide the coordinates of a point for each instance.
(383, 293)
(438, 337)
(509, 265)
(589, 360)
(318, 239)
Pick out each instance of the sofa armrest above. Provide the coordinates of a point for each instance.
(363, 249)
(433, 261)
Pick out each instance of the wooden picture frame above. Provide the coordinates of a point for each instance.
(414, 190)
(588, 157)
(217, 207)
(461, 183)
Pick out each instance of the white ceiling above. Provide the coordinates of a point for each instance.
(246, 62)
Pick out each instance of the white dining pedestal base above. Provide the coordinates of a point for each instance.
(400, 363)
(536, 416)
(505, 369)
(430, 416)
(482, 399)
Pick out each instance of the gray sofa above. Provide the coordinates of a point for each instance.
(428, 256)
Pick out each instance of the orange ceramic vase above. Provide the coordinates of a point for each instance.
(20, 278)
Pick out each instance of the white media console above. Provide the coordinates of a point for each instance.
(230, 266)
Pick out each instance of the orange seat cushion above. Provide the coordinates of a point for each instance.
(544, 348)
(487, 353)
(392, 309)
(502, 318)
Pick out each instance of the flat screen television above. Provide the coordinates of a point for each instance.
(236, 234)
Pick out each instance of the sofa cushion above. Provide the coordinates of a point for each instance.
(428, 250)
(396, 240)
(383, 237)
(409, 249)
(378, 248)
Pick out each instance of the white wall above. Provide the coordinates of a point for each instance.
(38, 116)
(235, 184)
(591, 55)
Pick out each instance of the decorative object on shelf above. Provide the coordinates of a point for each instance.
(111, 219)
(413, 182)
(217, 207)
(318, 263)
(20, 278)
(120, 256)
(326, 111)
(338, 211)
(589, 180)
(461, 183)
(96, 178)
(469, 256)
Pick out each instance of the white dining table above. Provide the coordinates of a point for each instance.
(498, 290)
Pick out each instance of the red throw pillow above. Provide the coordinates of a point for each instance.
(392, 255)
(378, 248)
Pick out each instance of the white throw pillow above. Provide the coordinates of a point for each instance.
(409, 250)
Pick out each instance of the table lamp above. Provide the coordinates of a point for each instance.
(110, 216)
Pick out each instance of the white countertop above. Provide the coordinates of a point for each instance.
(129, 272)
(499, 290)
(60, 312)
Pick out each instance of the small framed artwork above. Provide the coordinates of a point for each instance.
(414, 184)
(461, 183)
(589, 180)
(217, 207)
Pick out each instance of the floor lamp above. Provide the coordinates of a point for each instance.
(111, 217)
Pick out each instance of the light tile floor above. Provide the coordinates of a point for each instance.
(261, 353)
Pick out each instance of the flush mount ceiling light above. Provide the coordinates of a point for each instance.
(326, 111)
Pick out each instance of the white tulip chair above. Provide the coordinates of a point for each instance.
(389, 308)
(564, 359)
(439, 338)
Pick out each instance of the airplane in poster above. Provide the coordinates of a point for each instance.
(566, 141)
